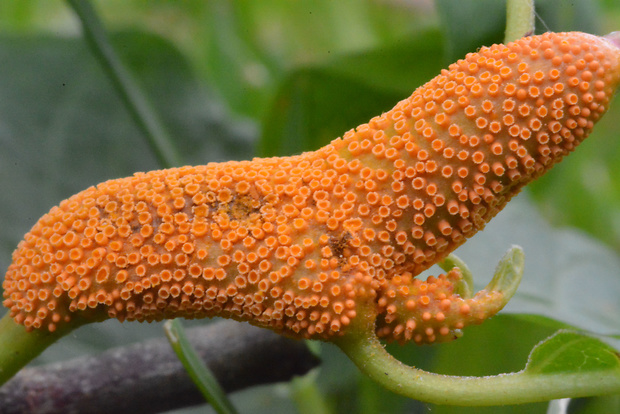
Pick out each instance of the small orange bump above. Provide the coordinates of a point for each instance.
(465, 309)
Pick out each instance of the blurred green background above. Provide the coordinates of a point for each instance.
(237, 79)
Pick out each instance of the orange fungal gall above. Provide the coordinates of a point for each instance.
(298, 244)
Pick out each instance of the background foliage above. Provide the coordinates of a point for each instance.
(234, 79)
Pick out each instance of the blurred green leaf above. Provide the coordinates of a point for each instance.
(307, 396)
(607, 404)
(252, 45)
(399, 67)
(199, 372)
(317, 104)
(567, 15)
(469, 24)
(311, 106)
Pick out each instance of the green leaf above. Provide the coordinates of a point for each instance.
(248, 46)
(197, 369)
(312, 105)
(605, 404)
(317, 104)
(466, 29)
(572, 352)
(399, 67)
(566, 15)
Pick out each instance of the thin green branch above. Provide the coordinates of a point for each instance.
(132, 96)
(197, 369)
(566, 365)
(519, 19)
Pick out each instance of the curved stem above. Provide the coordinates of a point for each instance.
(369, 355)
(18, 347)
(519, 19)
(362, 346)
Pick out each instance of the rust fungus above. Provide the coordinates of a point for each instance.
(296, 244)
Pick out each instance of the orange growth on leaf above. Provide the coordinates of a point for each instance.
(296, 244)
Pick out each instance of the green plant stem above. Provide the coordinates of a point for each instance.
(137, 104)
(519, 19)
(18, 347)
(197, 369)
(541, 380)
(368, 354)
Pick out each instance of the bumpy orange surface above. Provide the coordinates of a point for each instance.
(296, 243)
